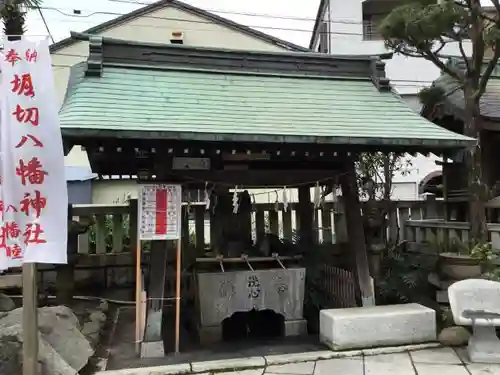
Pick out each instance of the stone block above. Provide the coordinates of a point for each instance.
(183, 368)
(442, 296)
(295, 327)
(365, 327)
(221, 294)
(228, 364)
(210, 335)
(152, 349)
(10, 281)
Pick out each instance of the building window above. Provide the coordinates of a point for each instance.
(370, 27)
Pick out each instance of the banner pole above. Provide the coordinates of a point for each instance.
(30, 320)
(138, 295)
(178, 296)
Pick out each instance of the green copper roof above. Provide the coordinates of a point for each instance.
(210, 106)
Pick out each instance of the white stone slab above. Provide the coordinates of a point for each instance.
(399, 349)
(340, 366)
(462, 354)
(183, 368)
(483, 369)
(242, 372)
(389, 364)
(443, 356)
(279, 359)
(300, 368)
(396, 358)
(365, 327)
(228, 364)
(430, 369)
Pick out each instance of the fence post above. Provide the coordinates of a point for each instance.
(404, 215)
(430, 210)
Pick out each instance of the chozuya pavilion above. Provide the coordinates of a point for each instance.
(190, 115)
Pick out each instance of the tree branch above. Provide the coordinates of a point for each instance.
(496, 4)
(427, 54)
(483, 81)
(464, 55)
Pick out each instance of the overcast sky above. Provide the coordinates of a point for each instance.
(291, 20)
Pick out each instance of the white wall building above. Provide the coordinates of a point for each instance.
(350, 28)
(165, 21)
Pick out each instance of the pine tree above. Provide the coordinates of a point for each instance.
(423, 28)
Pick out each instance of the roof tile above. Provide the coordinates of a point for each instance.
(244, 107)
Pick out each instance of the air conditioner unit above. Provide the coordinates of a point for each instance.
(177, 37)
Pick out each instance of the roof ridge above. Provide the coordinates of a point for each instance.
(117, 52)
(190, 9)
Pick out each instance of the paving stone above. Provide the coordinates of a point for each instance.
(462, 354)
(344, 366)
(279, 359)
(243, 372)
(483, 369)
(399, 349)
(157, 370)
(432, 369)
(436, 356)
(228, 364)
(396, 358)
(301, 368)
(389, 364)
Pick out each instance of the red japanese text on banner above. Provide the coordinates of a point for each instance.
(34, 194)
(160, 208)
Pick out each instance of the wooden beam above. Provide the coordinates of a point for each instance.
(248, 179)
(356, 232)
(305, 215)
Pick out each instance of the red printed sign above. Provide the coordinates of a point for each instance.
(160, 212)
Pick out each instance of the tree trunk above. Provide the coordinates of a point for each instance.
(478, 188)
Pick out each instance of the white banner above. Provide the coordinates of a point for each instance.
(160, 210)
(34, 195)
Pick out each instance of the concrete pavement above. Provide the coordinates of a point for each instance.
(437, 361)
(414, 360)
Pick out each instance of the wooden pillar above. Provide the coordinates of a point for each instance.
(30, 320)
(65, 277)
(356, 232)
(305, 215)
(430, 209)
(199, 223)
(339, 222)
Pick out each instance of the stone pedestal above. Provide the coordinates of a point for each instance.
(484, 345)
(221, 294)
(374, 259)
(210, 335)
(153, 349)
(295, 327)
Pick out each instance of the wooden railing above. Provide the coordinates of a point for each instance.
(433, 231)
(114, 228)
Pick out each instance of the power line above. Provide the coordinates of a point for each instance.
(184, 20)
(257, 15)
(207, 22)
(45, 23)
